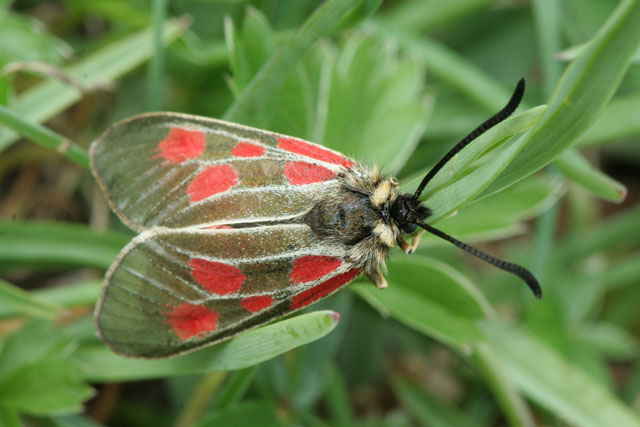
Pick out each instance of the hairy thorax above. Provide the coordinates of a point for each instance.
(356, 217)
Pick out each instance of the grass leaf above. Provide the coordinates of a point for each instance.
(553, 382)
(102, 365)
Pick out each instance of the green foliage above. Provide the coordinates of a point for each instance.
(37, 376)
(448, 343)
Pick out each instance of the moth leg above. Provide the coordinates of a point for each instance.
(410, 248)
(378, 279)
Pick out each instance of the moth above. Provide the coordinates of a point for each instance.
(238, 226)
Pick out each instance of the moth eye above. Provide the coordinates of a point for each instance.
(410, 227)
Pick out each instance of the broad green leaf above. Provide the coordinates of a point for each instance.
(45, 387)
(47, 245)
(501, 214)
(447, 200)
(9, 417)
(36, 374)
(438, 282)
(22, 39)
(431, 297)
(274, 73)
(374, 113)
(102, 365)
(491, 139)
(22, 303)
(585, 88)
(290, 109)
(49, 98)
(574, 166)
(449, 67)
(554, 382)
(420, 314)
(37, 340)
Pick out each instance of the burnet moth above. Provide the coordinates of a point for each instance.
(238, 226)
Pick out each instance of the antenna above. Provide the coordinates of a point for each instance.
(519, 271)
(515, 269)
(491, 122)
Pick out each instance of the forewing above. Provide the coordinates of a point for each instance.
(175, 170)
(172, 291)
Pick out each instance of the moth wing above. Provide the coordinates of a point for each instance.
(176, 170)
(172, 291)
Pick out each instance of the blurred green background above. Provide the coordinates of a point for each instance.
(451, 342)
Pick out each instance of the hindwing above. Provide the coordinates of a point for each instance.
(172, 291)
(176, 170)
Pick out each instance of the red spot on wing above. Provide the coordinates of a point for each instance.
(312, 267)
(216, 277)
(301, 173)
(246, 149)
(188, 320)
(180, 145)
(213, 180)
(220, 227)
(257, 303)
(320, 291)
(312, 150)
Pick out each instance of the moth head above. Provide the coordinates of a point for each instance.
(407, 211)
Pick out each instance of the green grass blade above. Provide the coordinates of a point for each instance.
(156, 65)
(71, 295)
(618, 120)
(585, 88)
(336, 399)
(553, 382)
(431, 297)
(492, 138)
(47, 245)
(423, 15)
(451, 68)
(22, 303)
(548, 21)
(234, 388)
(102, 365)
(426, 408)
(49, 98)
(622, 230)
(502, 214)
(44, 137)
(447, 200)
(421, 314)
(275, 72)
(577, 168)
(514, 407)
